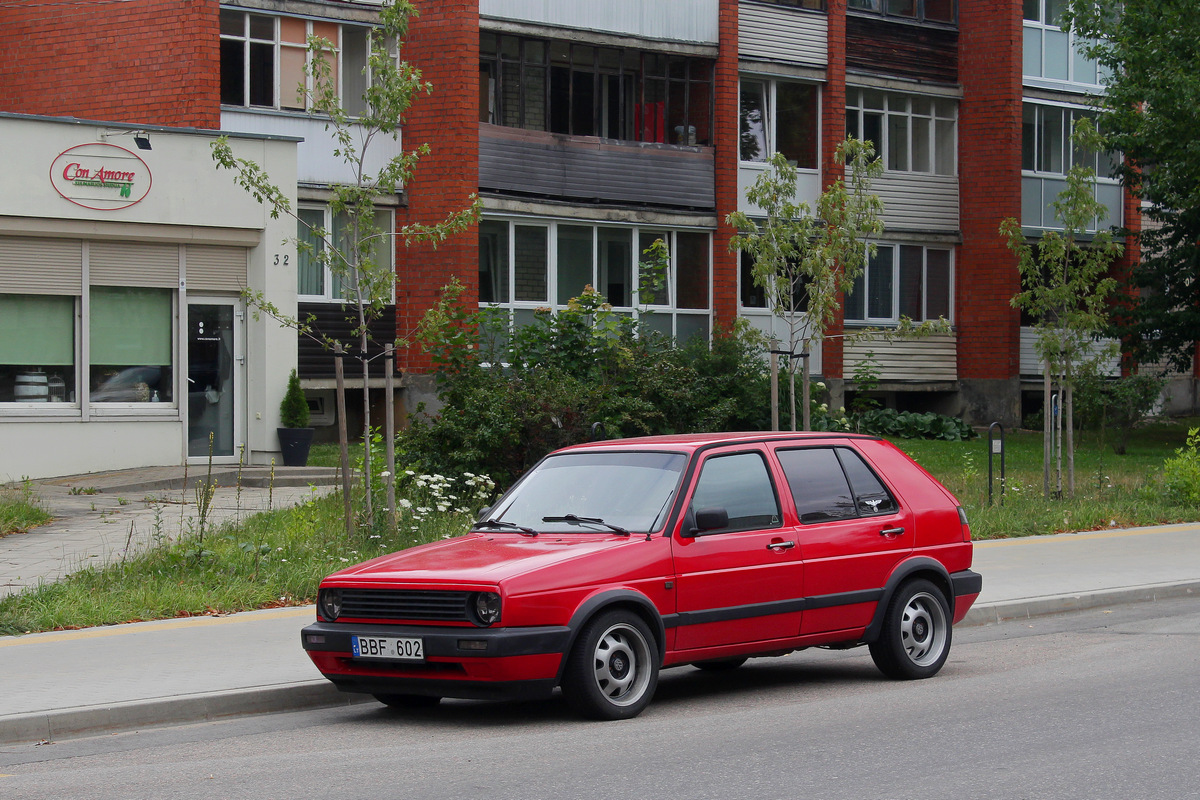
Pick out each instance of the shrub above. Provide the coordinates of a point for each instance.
(1181, 472)
(293, 409)
(912, 425)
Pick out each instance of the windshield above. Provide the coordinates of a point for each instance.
(627, 490)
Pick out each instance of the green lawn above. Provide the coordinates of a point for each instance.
(20, 511)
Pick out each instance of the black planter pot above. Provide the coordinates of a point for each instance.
(294, 443)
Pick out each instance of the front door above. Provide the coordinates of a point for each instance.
(214, 380)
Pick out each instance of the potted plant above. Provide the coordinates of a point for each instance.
(295, 437)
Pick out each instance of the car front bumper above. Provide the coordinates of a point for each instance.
(476, 663)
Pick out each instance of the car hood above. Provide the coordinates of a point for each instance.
(478, 558)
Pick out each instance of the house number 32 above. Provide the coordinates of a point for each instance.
(284, 261)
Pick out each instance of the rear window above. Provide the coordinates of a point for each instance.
(833, 483)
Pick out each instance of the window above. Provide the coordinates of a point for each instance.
(812, 5)
(263, 59)
(902, 280)
(1051, 53)
(941, 11)
(910, 132)
(586, 90)
(316, 276)
(1047, 154)
(779, 117)
(741, 485)
(37, 348)
(833, 483)
(130, 332)
(755, 296)
(527, 265)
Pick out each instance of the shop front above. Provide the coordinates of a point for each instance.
(124, 336)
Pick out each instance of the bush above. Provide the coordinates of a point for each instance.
(1181, 473)
(1117, 402)
(912, 425)
(293, 409)
(506, 403)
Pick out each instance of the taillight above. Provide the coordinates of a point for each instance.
(966, 526)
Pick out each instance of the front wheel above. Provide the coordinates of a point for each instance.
(612, 671)
(915, 639)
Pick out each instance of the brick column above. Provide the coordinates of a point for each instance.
(444, 43)
(725, 189)
(833, 132)
(989, 161)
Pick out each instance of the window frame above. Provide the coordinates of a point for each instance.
(857, 110)
(882, 8)
(840, 453)
(279, 46)
(520, 311)
(770, 96)
(692, 508)
(894, 317)
(328, 279)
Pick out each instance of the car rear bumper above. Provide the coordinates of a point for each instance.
(476, 663)
(967, 585)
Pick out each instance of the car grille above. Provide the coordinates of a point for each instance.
(391, 604)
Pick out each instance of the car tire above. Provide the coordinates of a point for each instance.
(408, 702)
(916, 634)
(720, 665)
(612, 671)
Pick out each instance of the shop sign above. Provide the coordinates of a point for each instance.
(101, 176)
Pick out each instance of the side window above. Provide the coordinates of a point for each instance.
(833, 483)
(819, 486)
(741, 485)
(871, 496)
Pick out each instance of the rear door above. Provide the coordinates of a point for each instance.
(742, 582)
(853, 531)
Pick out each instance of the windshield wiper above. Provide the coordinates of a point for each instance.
(498, 523)
(593, 520)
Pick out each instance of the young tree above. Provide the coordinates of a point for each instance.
(1067, 290)
(353, 256)
(803, 258)
(1150, 48)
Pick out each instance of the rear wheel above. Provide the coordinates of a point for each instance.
(408, 702)
(613, 669)
(915, 639)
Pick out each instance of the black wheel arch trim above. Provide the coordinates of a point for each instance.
(902, 573)
(605, 600)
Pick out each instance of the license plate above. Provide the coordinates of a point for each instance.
(387, 648)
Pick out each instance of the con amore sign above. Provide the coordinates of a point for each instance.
(101, 176)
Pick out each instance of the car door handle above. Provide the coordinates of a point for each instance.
(891, 531)
(779, 547)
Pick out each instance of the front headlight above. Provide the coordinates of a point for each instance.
(484, 608)
(329, 603)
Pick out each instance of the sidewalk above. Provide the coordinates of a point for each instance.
(78, 683)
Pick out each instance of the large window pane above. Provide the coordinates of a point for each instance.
(911, 272)
(897, 156)
(131, 346)
(937, 283)
(819, 486)
(493, 262)
(692, 253)
(310, 271)
(529, 265)
(796, 123)
(574, 261)
(355, 53)
(616, 266)
(753, 141)
(879, 284)
(37, 348)
(648, 292)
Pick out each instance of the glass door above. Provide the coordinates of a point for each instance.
(214, 379)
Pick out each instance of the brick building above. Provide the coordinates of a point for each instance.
(589, 130)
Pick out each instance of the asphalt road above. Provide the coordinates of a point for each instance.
(1088, 705)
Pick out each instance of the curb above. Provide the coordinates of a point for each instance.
(70, 723)
(1028, 608)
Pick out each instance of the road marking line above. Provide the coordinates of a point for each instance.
(121, 630)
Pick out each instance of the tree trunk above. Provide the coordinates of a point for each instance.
(340, 376)
(774, 345)
(1069, 424)
(389, 432)
(806, 387)
(1047, 427)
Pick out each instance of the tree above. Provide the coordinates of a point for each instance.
(1151, 114)
(1067, 290)
(804, 260)
(353, 255)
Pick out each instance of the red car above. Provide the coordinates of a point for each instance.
(612, 560)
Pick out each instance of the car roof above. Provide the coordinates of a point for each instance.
(694, 441)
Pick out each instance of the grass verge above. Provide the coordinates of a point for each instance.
(20, 510)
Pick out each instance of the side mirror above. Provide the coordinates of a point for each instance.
(710, 519)
(483, 513)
